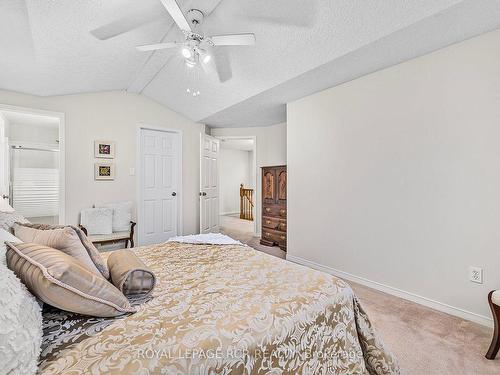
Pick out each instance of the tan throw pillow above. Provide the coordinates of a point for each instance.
(89, 247)
(129, 274)
(64, 239)
(62, 281)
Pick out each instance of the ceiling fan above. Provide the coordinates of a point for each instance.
(197, 48)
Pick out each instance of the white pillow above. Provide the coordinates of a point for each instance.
(6, 236)
(21, 327)
(122, 214)
(97, 220)
(7, 219)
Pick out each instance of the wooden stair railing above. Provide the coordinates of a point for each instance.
(246, 203)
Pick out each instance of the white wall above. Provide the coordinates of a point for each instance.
(114, 116)
(251, 171)
(235, 168)
(395, 177)
(271, 150)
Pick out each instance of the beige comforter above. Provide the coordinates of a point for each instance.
(223, 310)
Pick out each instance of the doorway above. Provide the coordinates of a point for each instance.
(32, 159)
(159, 177)
(237, 207)
(209, 184)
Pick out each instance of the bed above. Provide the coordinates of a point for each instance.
(222, 309)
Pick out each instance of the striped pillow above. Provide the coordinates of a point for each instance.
(64, 282)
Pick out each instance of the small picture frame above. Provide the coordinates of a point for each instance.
(104, 149)
(104, 171)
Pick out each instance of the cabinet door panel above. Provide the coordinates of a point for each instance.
(269, 186)
(281, 181)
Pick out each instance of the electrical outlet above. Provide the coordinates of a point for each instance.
(476, 274)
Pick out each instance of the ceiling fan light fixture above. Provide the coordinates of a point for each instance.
(190, 63)
(194, 93)
(193, 48)
(186, 52)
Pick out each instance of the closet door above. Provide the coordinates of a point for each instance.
(209, 184)
(159, 179)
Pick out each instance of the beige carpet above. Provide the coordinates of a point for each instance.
(425, 341)
(242, 230)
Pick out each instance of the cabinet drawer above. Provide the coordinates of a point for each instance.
(274, 236)
(274, 210)
(274, 223)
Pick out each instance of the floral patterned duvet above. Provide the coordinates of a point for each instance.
(222, 309)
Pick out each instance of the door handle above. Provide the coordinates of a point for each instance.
(204, 194)
(5, 196)
(174, 194)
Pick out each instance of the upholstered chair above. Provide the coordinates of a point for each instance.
(494, 300)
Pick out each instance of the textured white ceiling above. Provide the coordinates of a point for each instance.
(47, 49)
(462, 21)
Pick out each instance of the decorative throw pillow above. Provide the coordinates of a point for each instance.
(62, 281)
(122, 215)
(64, 239)
(129, 274)
(7, 220)
(21, 326)
(87, 244)
(97, 220)
(94, 254)
(4, 237)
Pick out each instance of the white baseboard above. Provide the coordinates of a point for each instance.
(229, 213)
(436, 305)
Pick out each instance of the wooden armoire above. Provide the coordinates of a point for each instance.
(274, 206)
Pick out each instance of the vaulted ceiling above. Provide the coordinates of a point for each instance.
(46, 48)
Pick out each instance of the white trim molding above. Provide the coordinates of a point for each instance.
(436, 305)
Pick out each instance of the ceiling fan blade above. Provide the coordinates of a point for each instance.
(128, 23)
(158, 46)
(176, 13)
(234, 39)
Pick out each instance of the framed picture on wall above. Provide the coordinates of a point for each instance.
(104, 171)
(104, 149)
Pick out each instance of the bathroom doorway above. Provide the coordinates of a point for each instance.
(32, 163)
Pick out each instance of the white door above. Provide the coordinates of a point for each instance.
(159, 175)
(209, 181)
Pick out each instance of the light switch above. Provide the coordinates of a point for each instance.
(132, 171)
